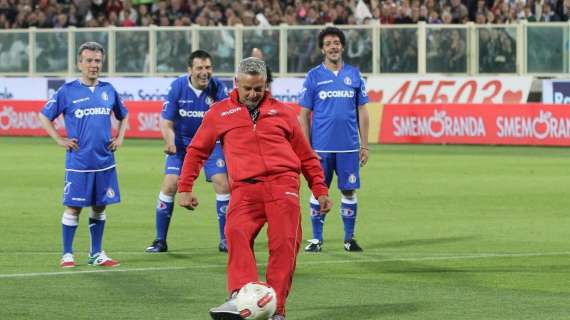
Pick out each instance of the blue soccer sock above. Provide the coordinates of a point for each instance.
(164, 209)
(317, 220)
(348, 207)
(69, 224)
(222, 202)
(96, 229)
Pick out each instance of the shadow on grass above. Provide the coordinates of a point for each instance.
(421, 242)
(360, 311)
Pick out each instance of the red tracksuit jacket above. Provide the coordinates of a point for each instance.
(274, 145)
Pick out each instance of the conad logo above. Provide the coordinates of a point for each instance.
(438, 125)
(541, 127)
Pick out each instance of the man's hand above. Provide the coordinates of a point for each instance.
(325, 203)
(69, 144)
(187, 200)
(170, 149)
(363, 156)
(115, 144)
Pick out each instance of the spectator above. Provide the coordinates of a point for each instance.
(547, 14)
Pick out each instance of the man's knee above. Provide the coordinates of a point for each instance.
(169, 185)
(74, 211)
(348, 193)
(220, 183)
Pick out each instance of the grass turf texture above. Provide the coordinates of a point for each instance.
(449, 232)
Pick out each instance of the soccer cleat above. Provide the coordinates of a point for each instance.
(102, 260)
(278, 317)
(315, 245)
(352, 245)
(157, 246)
(227, 310)
(223, 247)
(67, 261)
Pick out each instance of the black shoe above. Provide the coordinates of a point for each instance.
(157, 246)
(315, 245)
(352, 245)
(223, 247)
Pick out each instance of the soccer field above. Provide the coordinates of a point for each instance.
(449, 232)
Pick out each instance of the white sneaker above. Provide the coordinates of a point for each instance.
(67, 261)
(101, 259)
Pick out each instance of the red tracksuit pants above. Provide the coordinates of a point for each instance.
(274, 201)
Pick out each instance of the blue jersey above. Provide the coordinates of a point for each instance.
(334, 100)
(187, 110)
(87, 117)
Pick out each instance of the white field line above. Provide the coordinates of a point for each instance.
(303, 263)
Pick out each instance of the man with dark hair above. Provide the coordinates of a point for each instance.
(189, 97)
(87, 105)
(335, 120)
(265, 151)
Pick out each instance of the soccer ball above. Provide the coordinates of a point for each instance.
(256, 301)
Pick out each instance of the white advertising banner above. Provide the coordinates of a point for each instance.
(132, 89)
(287, 89)
(23, 88)
(426, 89)
(556, 91)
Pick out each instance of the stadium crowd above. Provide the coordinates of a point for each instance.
(129, 13)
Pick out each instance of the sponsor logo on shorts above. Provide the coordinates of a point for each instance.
(347, 212)
(67, 187)
(352, 178)
(78, 199)
(172, 168)
(315, 213)
(110, 193)
(220, 163)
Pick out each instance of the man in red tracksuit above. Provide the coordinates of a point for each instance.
(265, 151)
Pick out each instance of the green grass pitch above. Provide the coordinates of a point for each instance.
(449, 232)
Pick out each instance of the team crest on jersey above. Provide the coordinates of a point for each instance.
(220, 163)
(272, 112)
(352, 178)
(347, 81)
(110, 193)
(209, 100)
(104, 96)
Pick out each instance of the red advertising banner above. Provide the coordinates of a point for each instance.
(519, 124)
(21, 118)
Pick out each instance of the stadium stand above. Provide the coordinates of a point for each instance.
(130, 13)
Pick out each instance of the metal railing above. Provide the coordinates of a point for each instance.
(540, 49)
